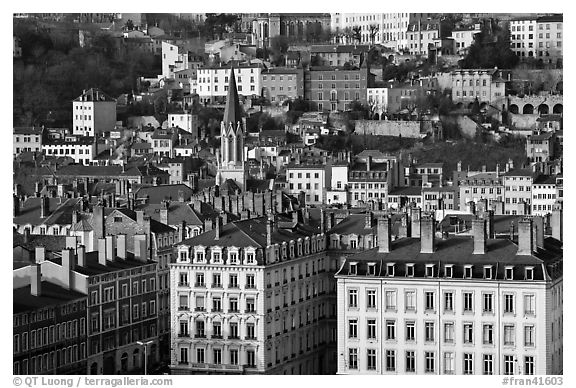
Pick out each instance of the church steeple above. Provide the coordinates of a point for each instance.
(233, 110)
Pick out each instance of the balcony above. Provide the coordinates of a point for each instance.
(199, 309)
(250, 287)
(217, 367)
(203, 285)
(217, 336)
(183, 308)
(183, 335)
(233, 337)
(182, 284)
(216, 309)
(250, 311)
(200, 336)
(250, 338)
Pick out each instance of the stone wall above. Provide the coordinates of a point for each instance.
(409, 129)
(523, 122)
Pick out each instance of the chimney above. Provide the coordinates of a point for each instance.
(120, 246)
(102, 251)
(74, 217)
(511, 230)
(427, 235)
(27, 235)
(182, 231)
(369, 163)
(479, 235)
(483, 168)
(306, 216)
(556, 222)
(140, 249)
(35, 280)
(99, 222)
(322, 220)
(416, 215)
(71, 242)
(164, 213)
(245, 215)
(139, 217)
(279, 201)
(81, 253)
(488, 215)
(538, 225)
(295, 216)
(16, 205)
(217, 227)
(330, 223)
(269, 228)
(37, 189)
(384, 234)
(110, 248)
(67, 266)
(207, 224)
(40, 255)
(368, 220)
(404, 228)
(525, 237)
(181, 196)
(44, 206)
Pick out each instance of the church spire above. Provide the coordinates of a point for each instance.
(232, 111)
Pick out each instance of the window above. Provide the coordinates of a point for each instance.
(508, 303)
(410, 361)
(390, 300)
(200, 355)
(429, 300)
(353, 358)
(429, 270)
(250, 305)
(487, 304)
(233, 281)
(509, 273)
(487, 334)
(352, 298)
(509, 335)
(371, 299)
(199, 302)
(468, 272)
(468, 368)
(371, 329)
(390, 330)
(371, 353)
(529, 335)
(448, 271)
(353, 328)
(390, 360)
(468, 301)
(448, 363)
(410, 270)
(528, 365)
(234, 356)
(200, 280)
(410, 297)
(410, 331)
(449, 332)
(250, 331)
(468, 333)
(216, 280)
(529, 304)
(429, 362)
(250, 283)
(487, 364)
(448, 301)
(371, 269)
(508, 365)
(429, 331)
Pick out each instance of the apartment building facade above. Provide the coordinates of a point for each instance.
(485, 85)
(254, 296)
(539, 38)
(93, 112)
(213, 82)
(412, 307)
(335, 88)
(518, 191)
(281, 84)
(309, 178)
(27, 139)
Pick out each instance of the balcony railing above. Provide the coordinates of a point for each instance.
(183, 308)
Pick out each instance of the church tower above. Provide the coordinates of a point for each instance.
(231, 163)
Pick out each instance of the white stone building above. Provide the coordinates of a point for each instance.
(457, 306)
(309, 178)
(93, 112)
(213, 82)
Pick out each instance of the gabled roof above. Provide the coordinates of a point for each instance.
(177, 212)
(94, 94)
(60, 212)
(51, 295)
(354, 224)
(157, 194)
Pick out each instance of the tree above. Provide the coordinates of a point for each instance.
(216, 24)
(357, 33)
(491, 48)
(129, 25)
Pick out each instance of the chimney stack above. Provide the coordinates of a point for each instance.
(182, 231)
(164, 214)
(404, 228)
(71, 242)
(245, 215)
(40, 255)
(416, 215)
(369, 163)
(121, 250)
(269, 227)
(488, 215)
(102, 251)
(139, 217)
(538, 225)
(479, 235)
(44, 206)
(74, 217)
(295, 216)
(99, 222)
(181, 196)
(110, 248)
(322, 220)
(140, 249)
(67, 266)
(217, 227)
(35, 280)
(81, 252)
(427, 235)
(525, 237)
(557, 222)
(16, 205)
(384, 234)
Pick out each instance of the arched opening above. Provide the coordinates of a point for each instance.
(513, 109)
(300, 28)
(136, 358)
(109, 368)
(291, 29)
(265, 30)
(530, 54)
(94, 368)
(557, 109)
(528, 109)
(376, 116)
(124, 362)
(484, 105)
(470, 105)
(543, 109)
(459, 105)
(282, 28)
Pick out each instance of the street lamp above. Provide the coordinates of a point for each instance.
(145, 344)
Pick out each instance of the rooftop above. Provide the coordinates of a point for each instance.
(51, 295)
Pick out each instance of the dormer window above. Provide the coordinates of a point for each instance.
(529, 273)
(410, 270)
(216, 257)
(467, 272)
(509, 273)
(371, 269)
(488, 272)
(200, 256)
(353, 269)
(233, 258)
(250, 258)
(390, 269)
(448, 272)
(429, 270)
